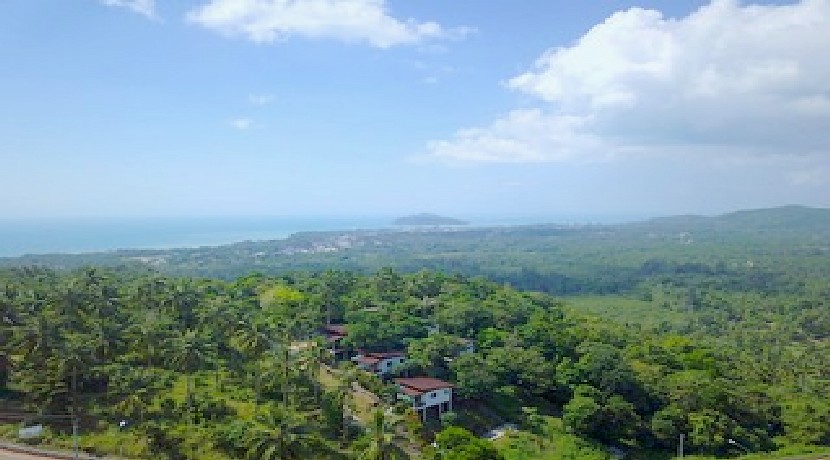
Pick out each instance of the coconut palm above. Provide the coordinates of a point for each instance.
(254, 343)
(382, 432)
(282, 434)
(191, 351)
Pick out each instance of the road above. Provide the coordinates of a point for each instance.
(9, 455)
(10, 452)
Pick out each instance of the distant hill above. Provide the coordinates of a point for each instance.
(783, 218)
(791, 217)
(428, 219)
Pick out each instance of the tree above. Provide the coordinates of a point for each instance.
(254, 341)
(667, 424)
(191, 351)
(455, 443)
(603, 366)
(381, 447)
(472, 376)
(583, 414)
(431, 353)
(282, 434)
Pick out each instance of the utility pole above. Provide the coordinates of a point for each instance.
(75, 411)
(121, 425)
(75, 434)
(680, 446)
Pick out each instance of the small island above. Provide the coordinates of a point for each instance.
(427, 219)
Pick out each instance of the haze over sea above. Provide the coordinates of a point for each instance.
(19, 237)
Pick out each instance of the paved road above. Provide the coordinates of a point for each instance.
(8, 452)
(9, 455)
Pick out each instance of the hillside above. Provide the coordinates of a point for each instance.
(427, 219)
(790, 219)
(714, 327)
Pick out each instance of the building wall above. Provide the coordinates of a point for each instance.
(436, 397)
(388, 364)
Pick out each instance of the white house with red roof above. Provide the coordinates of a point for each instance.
(426, 393)
(380, 363)
(334, 334)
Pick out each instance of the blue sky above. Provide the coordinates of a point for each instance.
(136, 108)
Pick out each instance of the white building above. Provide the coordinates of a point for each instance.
(426, 394)
(379, 363)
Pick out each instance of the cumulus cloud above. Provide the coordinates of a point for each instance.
(144, 7)
(522, 136)
(727, 77)
(346, 20)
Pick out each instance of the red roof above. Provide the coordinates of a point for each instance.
(367, 360)
(335, 329)
(382, 354)
(416, 386)
(410, 392)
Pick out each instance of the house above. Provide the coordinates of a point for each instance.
(334, 334)
(468, 346)
(426, 394)
(379, 363)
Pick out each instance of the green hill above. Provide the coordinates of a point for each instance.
(429, 220)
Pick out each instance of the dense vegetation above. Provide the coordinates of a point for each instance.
(214, 369)
(717, 329)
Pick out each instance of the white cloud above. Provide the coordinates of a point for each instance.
(261, 99)
(242, 124)
(346, 20)
(726, 78)
(143, 7)
(522, 136)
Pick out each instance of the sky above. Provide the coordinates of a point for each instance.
(142, 108)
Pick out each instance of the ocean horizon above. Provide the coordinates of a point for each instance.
(73, 236)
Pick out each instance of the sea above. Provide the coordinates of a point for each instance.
(73, 236)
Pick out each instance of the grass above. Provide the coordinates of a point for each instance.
(363, 404)
(554, 444)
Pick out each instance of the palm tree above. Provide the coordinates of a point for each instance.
(8, 320)
(383, 429)
(212, 320)
(344, 394)
(191, 351)
(283, 434)
(315, 354)
(254, 343)
(134, 404)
